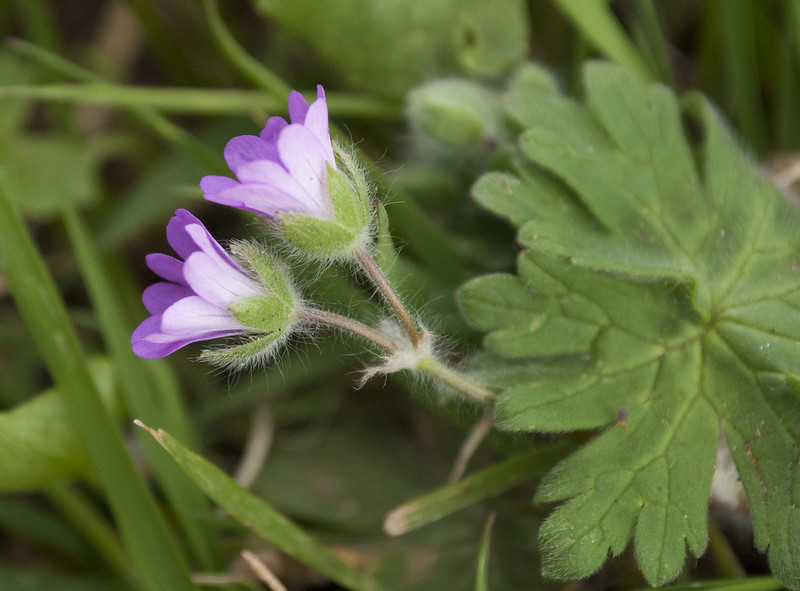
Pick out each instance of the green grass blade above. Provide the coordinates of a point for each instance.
(165, 128)
(38, 22)
(44, 529)
(749, 584)
(161, 38)
(482, 580)
(650, 38)
(594, 19)
(472, 489)
(153, 552)
(737, 20)
(199, 101)
(19, 578)
(91, 525)
(786, 123)
(142, 399)
(262, 518)
(238, 57)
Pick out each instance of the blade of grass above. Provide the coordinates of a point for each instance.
(651, 41)
(786, 125)
(737, 19)
(40, 526)
(161, 40)
(162, 126)
(91, 525)
(749, 584)
(199, 101)
(482, 579)
(475, 488)
(154, 553)
(238, 57)
(721, 552)
(596, 22)
(141, 398)
(38, 23)
(262, 518)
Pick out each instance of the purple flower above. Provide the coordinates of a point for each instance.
(195, 301)
(283, 170)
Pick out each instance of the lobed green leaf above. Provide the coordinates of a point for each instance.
(657, 297)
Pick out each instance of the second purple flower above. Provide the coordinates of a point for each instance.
(289, 173)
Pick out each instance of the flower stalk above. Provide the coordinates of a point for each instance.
(323, 318)
(447, 375)
(375, 274)
(424, 360)
(419, 358)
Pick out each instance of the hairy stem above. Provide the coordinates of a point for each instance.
(377, 277)
(420, 360)
(349, 325)
(455, 380)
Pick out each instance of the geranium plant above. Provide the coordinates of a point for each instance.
(489, 310)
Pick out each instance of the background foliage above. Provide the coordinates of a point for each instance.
(111, 113)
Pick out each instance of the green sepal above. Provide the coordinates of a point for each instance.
(266, 267)
(386, 254)
(348, 193)
(317, 237)
(244, 354)
(263, 314)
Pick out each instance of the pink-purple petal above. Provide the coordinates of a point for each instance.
(216, 184)
(205, 242)
(317, 123)
(274, 185)
(284, 169)
(273, 129)
(264, 172)
(177, 237)
(297, 107)
(192, 305)
(306, 159)
(160, 296)
(262, 199)
(148, 342)
(218, 284)
(245, 148)
(195, 318)
(165, 266)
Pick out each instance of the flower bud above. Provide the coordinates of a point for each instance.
(458, 113)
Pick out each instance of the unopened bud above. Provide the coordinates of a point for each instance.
(458, 113)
